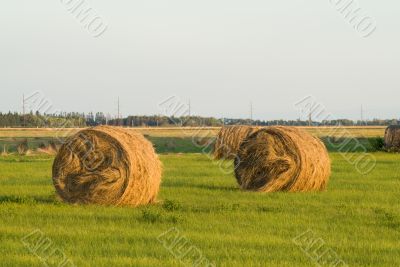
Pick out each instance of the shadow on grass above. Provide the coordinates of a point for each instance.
(29, 200)
(202, 186)
(387, 219)
(219, 188)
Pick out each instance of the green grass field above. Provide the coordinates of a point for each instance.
(358, 218)
(191, 145)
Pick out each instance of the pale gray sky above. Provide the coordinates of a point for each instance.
(221, 54)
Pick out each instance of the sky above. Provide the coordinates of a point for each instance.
(221, 55)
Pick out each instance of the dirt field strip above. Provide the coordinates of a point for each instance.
(354, 131)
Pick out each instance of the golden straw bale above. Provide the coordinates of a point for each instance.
(392, 138)
(282, 159)
(109, 166)
(229, 139)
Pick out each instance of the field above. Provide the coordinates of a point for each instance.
(370, 131)
(171, 139)
(357, 220)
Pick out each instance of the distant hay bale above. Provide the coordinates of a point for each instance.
(282, 159)
(5, 150)
(54, 146)
(109, 166)
(229, 139)
(392, 138)
(51, 149)
(46, 150)
(23, 147)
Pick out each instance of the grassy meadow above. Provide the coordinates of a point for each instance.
(180, 140)
(357, 218)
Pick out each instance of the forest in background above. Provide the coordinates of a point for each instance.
(75, 119)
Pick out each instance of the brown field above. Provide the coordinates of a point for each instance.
(356, 131)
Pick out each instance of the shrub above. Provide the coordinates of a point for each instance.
(377, 144)
(170, 205)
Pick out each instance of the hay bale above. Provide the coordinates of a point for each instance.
(23, 147)
(282, 159)
(50, 149)
(229, 139)
(109, 166)
(54, 146)
(5, 150)
(392, 138)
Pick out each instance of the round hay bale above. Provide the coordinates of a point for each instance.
(109, 166)
(282, 159)
(5, 150)
(23, 147)
(229, 139)
(392, 138)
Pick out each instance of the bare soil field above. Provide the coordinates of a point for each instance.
(348, 131)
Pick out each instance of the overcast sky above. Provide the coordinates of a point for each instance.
(219, 54)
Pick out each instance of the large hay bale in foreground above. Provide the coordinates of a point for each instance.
(229, 139)
(109, 166)
(282, 159)
(392, 138)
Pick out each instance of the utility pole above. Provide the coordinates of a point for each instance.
(251, 112)
(118, 118)
(190, 107)
(362, 115)
(23, 110)
(310, 118)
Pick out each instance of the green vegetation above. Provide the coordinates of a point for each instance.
(371, 144)
(161, 144)
(182, 144)
(358, 217)
(10, 145)
(42, 120)
(76, 119)
(200, 145)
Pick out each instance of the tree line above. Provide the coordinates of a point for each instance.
(75, 119)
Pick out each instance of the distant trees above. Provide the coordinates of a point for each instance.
(75, 119)
(164, 121)
(41, 120)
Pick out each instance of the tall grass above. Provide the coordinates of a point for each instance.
(357, 217)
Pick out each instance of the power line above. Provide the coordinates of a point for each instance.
(362, 114)
(251, 112)
(23, 104)
(23, 109)
(118, 115)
